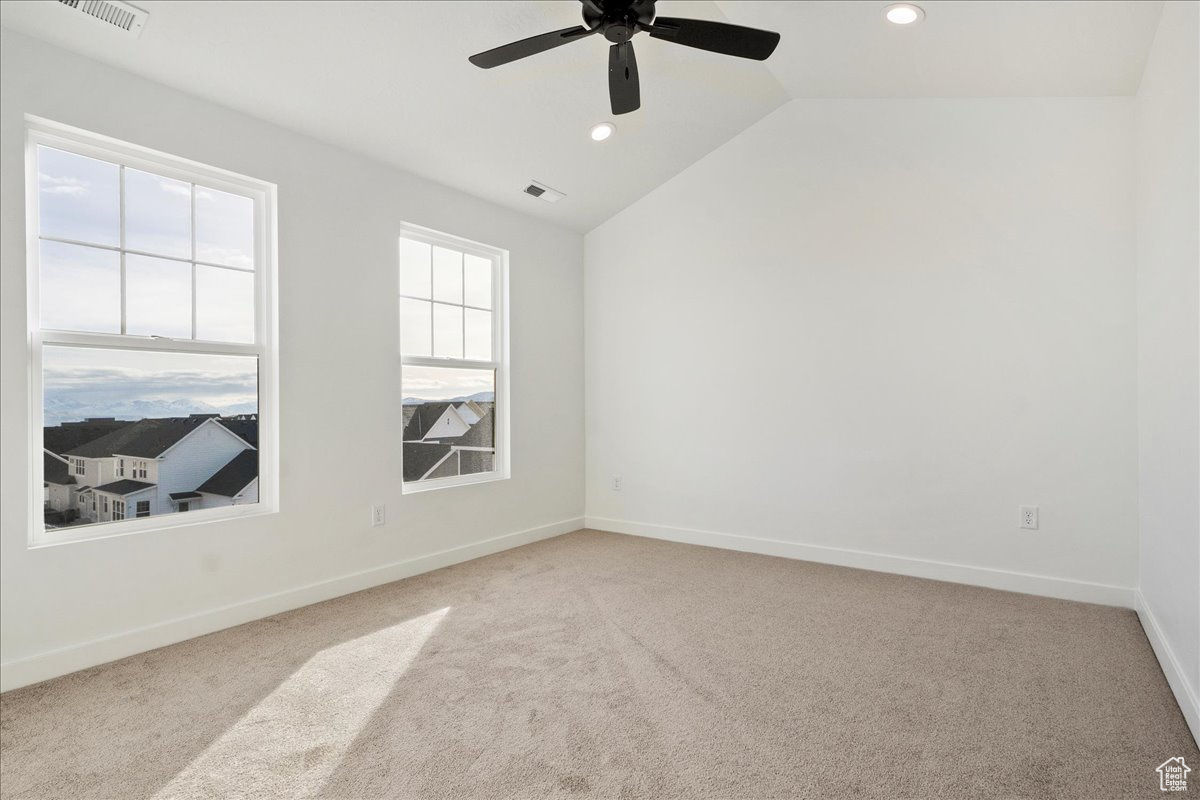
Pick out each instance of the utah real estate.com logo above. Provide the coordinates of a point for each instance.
(1172, 775)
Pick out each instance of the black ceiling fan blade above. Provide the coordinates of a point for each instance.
(528, 47)
(624, 91)
(717, 37)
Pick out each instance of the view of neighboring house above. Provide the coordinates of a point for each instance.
(150, 467)
(444, 439)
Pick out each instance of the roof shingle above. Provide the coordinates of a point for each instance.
(146, 438)
(235, 476)
(124, 487)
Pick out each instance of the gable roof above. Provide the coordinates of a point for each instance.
(146, 438)
(423, 420)
(481, 434)
(55, 470)
(59, 439)
(235, 476)
(124, 487)
(246, 427)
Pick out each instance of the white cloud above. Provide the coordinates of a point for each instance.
(64, 185)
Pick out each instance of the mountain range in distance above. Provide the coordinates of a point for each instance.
(57, 410)
(478, 397)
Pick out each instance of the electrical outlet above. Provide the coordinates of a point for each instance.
(1029, 517)
(378, 516)
(616, 484)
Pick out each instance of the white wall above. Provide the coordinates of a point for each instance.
(1168, 231)
(938, 293)
(339, 219)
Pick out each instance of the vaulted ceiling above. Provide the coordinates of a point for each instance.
(391, 79)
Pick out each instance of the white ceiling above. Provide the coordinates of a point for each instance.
(391, 79)
(984, 48)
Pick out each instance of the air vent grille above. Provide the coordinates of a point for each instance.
(543, 192)
(113, 12)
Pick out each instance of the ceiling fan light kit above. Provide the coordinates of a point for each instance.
(618, 21)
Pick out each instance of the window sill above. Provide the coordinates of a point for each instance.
(40, 537)
(416, 487)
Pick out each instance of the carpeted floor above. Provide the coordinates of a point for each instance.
(599, 665)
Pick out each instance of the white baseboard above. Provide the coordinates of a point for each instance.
(51, 664)
(1184, 691)
(1043, 585)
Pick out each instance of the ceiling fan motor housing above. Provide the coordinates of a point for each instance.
(618, 20)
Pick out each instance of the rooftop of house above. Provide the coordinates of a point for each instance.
(147, 438)
(235, 476)
(420, 457)
(481, 434)
(244, 425)
(55, 470)
(423, 420)
(69, 435)
(124, 487)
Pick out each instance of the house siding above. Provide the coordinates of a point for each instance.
(191, 462)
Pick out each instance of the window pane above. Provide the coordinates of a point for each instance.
(416, 327)
(414, 268)
(99, 404)
(158, 214)
(449, 426)
(478, 335)
(224, 228)
(158, 297)
(79, 288)
(447, 331)
(447, 275)
(79, 198)
(477, 281)
(224, 305)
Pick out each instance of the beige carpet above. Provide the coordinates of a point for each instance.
(600, 665)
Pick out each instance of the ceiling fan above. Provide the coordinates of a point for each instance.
(619, 20)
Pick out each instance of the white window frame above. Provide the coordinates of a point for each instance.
(41, 131)
(499, 363)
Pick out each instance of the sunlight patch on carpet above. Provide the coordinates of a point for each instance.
(291, 742)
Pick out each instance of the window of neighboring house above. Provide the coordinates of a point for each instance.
(103, 505)
(184, 505)
(152, 283)
(118, 509)
(453, 310)
(143, 508)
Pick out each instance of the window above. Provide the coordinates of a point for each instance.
(151, 297)
(453, 351)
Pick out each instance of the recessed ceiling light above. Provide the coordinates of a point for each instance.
(904, 13)
(602, 131)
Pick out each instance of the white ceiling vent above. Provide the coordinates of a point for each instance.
(113, 12)
(543, 192)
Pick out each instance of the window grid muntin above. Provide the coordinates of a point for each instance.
(123, 251)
